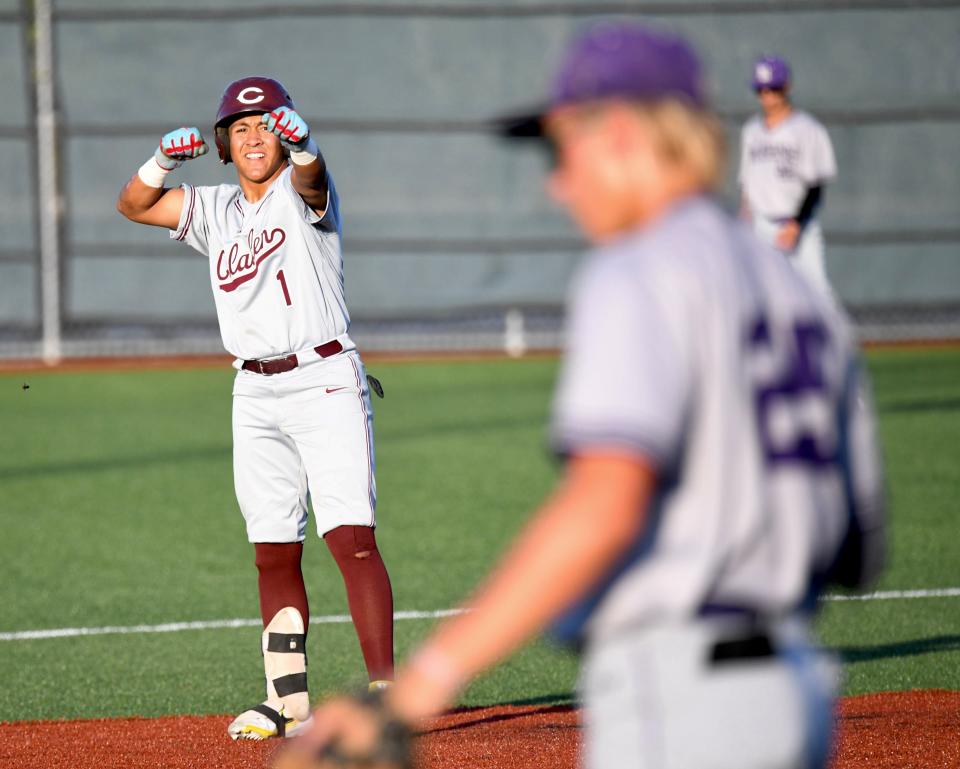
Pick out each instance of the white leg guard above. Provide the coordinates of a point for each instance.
(285, 663)
(286, 711)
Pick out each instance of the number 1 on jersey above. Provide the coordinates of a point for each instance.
(283, 285)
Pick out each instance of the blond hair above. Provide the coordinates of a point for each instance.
(688, 137)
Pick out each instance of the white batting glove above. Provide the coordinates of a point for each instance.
(175, 147)
(294, 134)
(179, 145)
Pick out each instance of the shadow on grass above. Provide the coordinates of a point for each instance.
(563, 698)
(175, 456)
(944, 643)
(100, 464)
(464, 427)
(919, 405)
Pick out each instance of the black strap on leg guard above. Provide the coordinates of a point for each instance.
(273, 715)
(291, 684)
(287, 643)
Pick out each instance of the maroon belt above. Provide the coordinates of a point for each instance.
(282, 365)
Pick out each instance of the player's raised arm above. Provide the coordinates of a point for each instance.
(144, 199)
(309, 167)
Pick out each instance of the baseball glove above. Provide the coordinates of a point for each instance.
(379, 741)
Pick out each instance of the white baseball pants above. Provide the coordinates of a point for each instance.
(656, 700)
(807, 257)
(306, 434)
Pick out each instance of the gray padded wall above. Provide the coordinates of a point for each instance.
(18, 257)
(438, 216)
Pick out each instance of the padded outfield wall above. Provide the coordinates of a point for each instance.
(447, 229)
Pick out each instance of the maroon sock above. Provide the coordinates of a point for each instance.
(281, 581)
(369, 594)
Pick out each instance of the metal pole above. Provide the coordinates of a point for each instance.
(47, 180)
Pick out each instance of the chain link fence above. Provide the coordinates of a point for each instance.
(450, 242)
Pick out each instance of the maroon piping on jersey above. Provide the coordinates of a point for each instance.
(366, 435)
(186, 224)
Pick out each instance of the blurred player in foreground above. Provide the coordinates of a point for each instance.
(302, 421)
(721, 466)
(786, 160)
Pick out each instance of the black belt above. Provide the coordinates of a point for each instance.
(290, 362)
(755, 645)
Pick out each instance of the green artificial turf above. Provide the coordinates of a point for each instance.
(907, 644)
(117, 509)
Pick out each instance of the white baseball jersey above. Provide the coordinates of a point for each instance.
(778, 164)
(691, 346)
(276, 266)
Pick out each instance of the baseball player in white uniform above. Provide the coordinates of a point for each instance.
(786, 160)
(721, 467)
(302, 418)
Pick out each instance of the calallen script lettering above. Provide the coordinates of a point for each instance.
(235, 268)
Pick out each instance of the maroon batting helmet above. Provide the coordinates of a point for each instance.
(248, 95)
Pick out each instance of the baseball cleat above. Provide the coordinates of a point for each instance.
(379, 686)
(265, 721)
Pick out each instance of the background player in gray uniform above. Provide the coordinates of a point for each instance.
(721, 467)
(302, 421)
(786, 160)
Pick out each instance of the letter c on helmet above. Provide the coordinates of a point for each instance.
(244, 97)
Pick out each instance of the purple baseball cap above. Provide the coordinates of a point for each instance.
(617, 60)
(770, 72)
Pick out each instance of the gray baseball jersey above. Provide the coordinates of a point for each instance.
(276, 266)
(778, 164)
(690, 346)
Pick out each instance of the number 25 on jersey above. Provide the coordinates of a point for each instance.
(794, 404)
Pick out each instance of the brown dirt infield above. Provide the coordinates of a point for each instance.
(902, 730)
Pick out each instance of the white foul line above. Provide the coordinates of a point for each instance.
(214, 624)
(888, 595)
(219, 624)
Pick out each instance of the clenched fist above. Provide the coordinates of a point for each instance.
(292, 129)
(179, 145)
